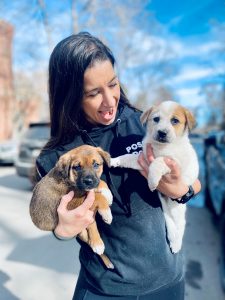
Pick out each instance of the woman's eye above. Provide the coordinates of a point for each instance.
(77, 168)
(156, 119)
(113, 84)
(96, 165)
(174, 121)
(93, 94)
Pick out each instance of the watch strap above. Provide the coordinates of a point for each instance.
(186, 197)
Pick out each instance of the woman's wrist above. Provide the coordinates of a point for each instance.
(60, 237)
(181, 190)
(62, 233)
(185, 189)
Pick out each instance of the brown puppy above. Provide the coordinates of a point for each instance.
(78, 170)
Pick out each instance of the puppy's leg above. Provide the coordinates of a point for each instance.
(157, 169)
(126, 161)
(107, 261)
(83, 235)
(174, 214)
(105, 191)
(95, 241)
(103, 208)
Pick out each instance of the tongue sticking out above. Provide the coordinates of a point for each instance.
(107, 114)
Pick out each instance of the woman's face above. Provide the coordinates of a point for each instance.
(101, 93)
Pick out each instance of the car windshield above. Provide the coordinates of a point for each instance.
(38, 132)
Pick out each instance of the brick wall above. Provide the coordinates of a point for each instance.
(7, 103)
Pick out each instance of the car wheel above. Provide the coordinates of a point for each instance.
(222, 265)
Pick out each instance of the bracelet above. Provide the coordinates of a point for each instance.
(62, 238)
(186, 197)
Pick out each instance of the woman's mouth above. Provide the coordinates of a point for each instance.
(107, 114)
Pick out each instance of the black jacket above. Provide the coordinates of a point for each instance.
(136, 240)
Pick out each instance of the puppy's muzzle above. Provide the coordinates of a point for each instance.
(162, 136)
(87, 182)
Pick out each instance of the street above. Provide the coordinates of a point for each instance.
(34, 265)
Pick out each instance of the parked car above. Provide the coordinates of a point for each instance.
(31, 144)
(8, 151)
(215, 165)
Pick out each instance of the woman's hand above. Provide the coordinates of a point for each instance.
(170, 184)
(72, 222)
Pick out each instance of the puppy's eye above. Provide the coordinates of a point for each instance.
(95, 165)
(77, 168)
(174, 121)
(156, 119)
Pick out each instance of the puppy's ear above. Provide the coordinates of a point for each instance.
(105, 155)
(63, 165)
(145, 115)
(190, 119)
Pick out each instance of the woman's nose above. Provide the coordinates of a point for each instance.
(108, 99)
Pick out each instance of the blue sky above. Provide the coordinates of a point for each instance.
(188, 28)
(188, 18)
(191, 26)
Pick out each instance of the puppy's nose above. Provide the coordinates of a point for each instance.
(88, 180)
(162, 134)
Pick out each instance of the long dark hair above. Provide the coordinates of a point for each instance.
(68, 62)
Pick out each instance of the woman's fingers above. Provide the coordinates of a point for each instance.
(80, 210)
(84, 210)
(149, 153)
(88, 202)
(175, 172)
(142, 161)
(65, 200)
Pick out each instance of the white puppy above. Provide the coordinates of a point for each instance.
(168, 125)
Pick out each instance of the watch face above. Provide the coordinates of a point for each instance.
(188, 195)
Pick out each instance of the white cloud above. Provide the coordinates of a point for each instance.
(187, 91)
(190, 97)
(192, 73)
(149, 49)
(188, 49)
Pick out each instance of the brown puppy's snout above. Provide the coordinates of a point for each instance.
(87, 182)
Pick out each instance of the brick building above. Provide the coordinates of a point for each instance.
(7, 103)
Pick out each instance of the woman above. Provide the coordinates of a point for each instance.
(88, 106)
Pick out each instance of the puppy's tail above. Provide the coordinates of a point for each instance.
(107, 261)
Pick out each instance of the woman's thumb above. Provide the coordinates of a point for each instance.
(88, 202)
(67, 198)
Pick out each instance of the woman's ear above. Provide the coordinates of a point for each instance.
(105, 155)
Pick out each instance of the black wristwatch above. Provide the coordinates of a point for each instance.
(185, 198)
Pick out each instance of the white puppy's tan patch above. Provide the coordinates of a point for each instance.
(168, 125)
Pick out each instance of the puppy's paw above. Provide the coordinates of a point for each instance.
(153, 179)
(157, 169)
(106, 215)
(98, 248)
(175, 246)
(114, 162)
(153, 184)
(107, 194)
